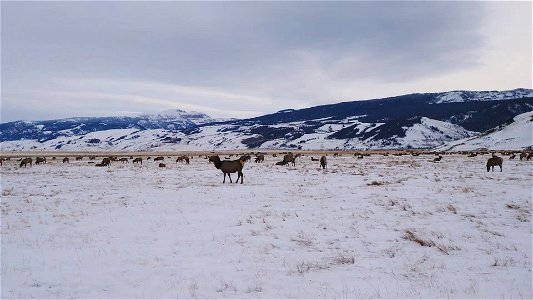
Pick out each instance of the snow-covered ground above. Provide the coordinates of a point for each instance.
(388, 227)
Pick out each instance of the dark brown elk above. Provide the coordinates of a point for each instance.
(162, 165)
(494, 161)
(472, 154)
(260, 158)
(183, 158)
(523, 155)
(138, 160)
(106, 162)
(92, 157)
(26, 161)
(245, 158)
(438, 158)
(287, 158)
(513, 156)
(159, 158)
(323, 162)
(65, 160)
(79, 157)
(123, 160)
(40, 160)
(1, 161)
(228, 167)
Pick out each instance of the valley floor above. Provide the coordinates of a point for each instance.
(378, 227)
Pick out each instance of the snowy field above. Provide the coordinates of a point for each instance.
(378, 227)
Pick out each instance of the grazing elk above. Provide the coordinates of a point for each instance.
(25, 161)
(105, 162)
(183, 158)
(40, 160)
(245, 158)
(260, 158)
(79, 157)
(288, 158)
(529, 156)
(162, 165)
(65, 160)
(323, 162)
(494, 161)
(92, 157)
(124, 160)
(513, 156)
(138, 160)
(159, 158)
(228, 167)
(523, 155)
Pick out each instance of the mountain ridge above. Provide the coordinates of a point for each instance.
(420, 120)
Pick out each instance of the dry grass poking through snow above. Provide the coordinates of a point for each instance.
(391, 227)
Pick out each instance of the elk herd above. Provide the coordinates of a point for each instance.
(229, 166)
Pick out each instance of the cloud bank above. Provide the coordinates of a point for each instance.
(239, 59)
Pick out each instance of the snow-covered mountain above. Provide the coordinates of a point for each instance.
(51, 129)
(465, 96)
(517, 134)
(402, 122)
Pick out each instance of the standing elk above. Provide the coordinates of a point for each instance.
(65, 160)
(105, 162)
(323, 162)
(494, 161)
(228, 167)
(159, 158)
(138, 160)
(124, 160)
(259, 158)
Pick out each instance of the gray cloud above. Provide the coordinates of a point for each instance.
(287, 54)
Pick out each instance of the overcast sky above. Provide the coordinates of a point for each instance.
(242, 59)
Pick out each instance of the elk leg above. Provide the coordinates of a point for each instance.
(229, 175)
(242, 176)
(224, 181)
